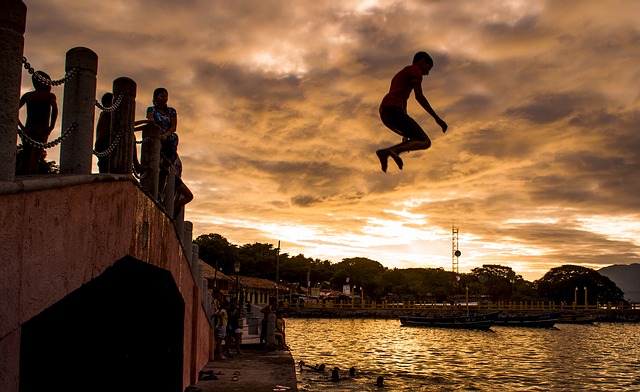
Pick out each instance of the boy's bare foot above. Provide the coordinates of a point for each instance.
(383, 156)
(397, 159)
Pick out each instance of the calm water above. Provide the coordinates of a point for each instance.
(599, 357)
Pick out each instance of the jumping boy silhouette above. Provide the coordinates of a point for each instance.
(393, 111)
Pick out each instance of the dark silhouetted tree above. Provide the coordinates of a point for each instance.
(560, 284)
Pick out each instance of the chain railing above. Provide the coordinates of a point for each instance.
(26, 139)
(112, 147)
(47, 81)
(111, 108)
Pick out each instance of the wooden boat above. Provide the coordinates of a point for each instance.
(577, 319)
(480, 321)
(544, 320)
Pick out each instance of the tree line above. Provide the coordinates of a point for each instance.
(377, 282)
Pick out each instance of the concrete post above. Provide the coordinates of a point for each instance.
(179, 221)
(122, 123)
(187, 233)
(199, 275)
(13, 19)
(194, 256)
(209, 306)
(79, 107)
(271, 331)
(169, 191)
(150, 157)
(205, 291)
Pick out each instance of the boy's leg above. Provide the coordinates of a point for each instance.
(383, 156)
(410, 145)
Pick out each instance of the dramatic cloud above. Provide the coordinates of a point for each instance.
(278, 121)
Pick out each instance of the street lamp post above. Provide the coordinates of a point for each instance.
(586, 301)
(575, 298)
(467, 298)
(236, 267)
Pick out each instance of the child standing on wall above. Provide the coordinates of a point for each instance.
(42, 113)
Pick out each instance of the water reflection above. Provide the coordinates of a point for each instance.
(601, 357)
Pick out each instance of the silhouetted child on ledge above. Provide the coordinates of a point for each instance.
(42, 113)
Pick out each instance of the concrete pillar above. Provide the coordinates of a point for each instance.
(13, 19)
(150, 157)
(205, 291)
(199, 275)
(194, 256)
(271, 331)
(187, 233)
(79, 107)
(169, 191)
(122, 123)
(209, 306)
(179, 221)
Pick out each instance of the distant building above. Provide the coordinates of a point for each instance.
(216, 280)
(258, 290)
(255, 290)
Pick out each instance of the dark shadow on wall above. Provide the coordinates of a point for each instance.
(123, 331)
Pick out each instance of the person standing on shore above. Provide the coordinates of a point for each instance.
(393, 111)
(234, 332)
(221, 328)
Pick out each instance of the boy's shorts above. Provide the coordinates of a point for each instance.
(397, 120)
(221, 331)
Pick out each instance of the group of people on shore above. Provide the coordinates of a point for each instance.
(228, 329)
(42, 114)
(228, 320)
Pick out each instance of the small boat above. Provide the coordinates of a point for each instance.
(544, 320)
(577, 319)
(479, 321)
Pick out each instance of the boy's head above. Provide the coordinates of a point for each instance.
(107, 99)
(422, 55)
(424, 61)
(38, 84)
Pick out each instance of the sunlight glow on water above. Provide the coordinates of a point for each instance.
(600, 357)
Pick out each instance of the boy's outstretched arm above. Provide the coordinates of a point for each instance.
(422, 100)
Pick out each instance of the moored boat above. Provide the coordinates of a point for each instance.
(544, 320)
(577, 319)
(479, 321)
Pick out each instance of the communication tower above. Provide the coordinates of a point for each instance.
(455, 252)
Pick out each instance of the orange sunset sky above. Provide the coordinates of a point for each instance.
(277, 117)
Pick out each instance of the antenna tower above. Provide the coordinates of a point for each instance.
(455, 252)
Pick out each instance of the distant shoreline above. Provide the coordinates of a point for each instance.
(608, 315)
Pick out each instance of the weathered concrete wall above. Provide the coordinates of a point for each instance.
(55, 240)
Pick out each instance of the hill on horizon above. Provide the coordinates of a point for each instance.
(625, 276)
